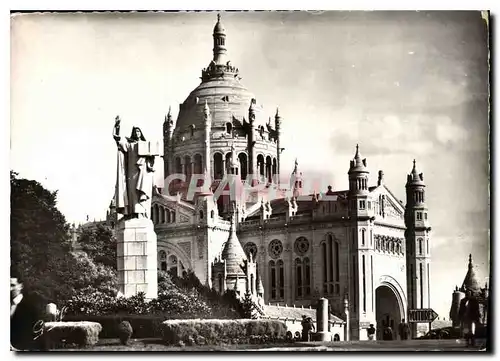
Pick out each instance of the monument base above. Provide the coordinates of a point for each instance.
(322, 336)
(137, 260)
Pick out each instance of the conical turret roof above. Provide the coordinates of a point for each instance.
(470, 281)
(415, 178)
(358, 165)
(233, 253)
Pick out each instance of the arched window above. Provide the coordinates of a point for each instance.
(173, 216)
(156, 214)
(337, 263)
(198, 164)
(178, 165)
(243, 165)
(168, 216)
(307, 277)
(212, 213)
(201, 214)
(229, 128)
(275, 167)
(172, 265)
(273, 280)
(330, 263)
(363, 231)
(191, 128)
(162, 255)
(325, 267)
(298, 276)
(268, 169)
(260, 165)
(162, 214)
(281, 278)
(252, 284)
(218, 166)
(420, 246)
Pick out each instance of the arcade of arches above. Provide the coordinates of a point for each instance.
(267, 167)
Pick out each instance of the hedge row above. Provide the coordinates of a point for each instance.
(67, 334)
(144, 326)
(218, 332)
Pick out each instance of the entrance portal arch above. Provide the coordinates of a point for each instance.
(389, 309)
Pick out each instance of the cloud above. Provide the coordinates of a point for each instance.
(447, 132)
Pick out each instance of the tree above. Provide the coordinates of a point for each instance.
(41, 250)
(39, 238)
(248, 306)
(100, 244)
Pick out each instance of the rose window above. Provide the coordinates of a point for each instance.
(275, 248)
(250, 247)
(301, 246)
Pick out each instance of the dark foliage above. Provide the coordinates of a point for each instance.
(220, 332)
(100, 244)
(41, 254)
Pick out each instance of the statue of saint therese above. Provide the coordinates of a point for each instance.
(134, 180)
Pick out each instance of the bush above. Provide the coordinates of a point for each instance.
(143, 326)
(217, 332)
(64, 334)
(125, 332)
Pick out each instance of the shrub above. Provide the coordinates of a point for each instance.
(125, 332)
(63, 334)
(216, 332)
(143, 326)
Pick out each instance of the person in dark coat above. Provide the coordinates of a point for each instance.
(469, 316)
(371, 332)
(404, 330)
(307, 326)
(388, 334)
(23, 316)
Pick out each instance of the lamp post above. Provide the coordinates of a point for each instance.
(347, 323)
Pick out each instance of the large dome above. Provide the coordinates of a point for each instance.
(226, 98)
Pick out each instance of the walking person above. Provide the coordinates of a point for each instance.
(307, 325)
(371, 332)
(388, 334)
(404, 330)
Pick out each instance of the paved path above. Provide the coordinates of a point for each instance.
(382, 346)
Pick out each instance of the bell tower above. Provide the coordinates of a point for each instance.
(418, 256)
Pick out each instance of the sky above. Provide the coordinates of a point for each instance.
(402, 85)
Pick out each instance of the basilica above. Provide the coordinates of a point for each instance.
(360, 247)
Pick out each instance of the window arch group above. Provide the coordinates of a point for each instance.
(277, 279)
(162, 215)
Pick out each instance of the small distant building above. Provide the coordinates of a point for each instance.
(75, 231)
(481, 293)
(292, 317)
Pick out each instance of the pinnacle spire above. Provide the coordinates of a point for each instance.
(277, 113)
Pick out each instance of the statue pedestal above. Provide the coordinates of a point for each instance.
(137, 260)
